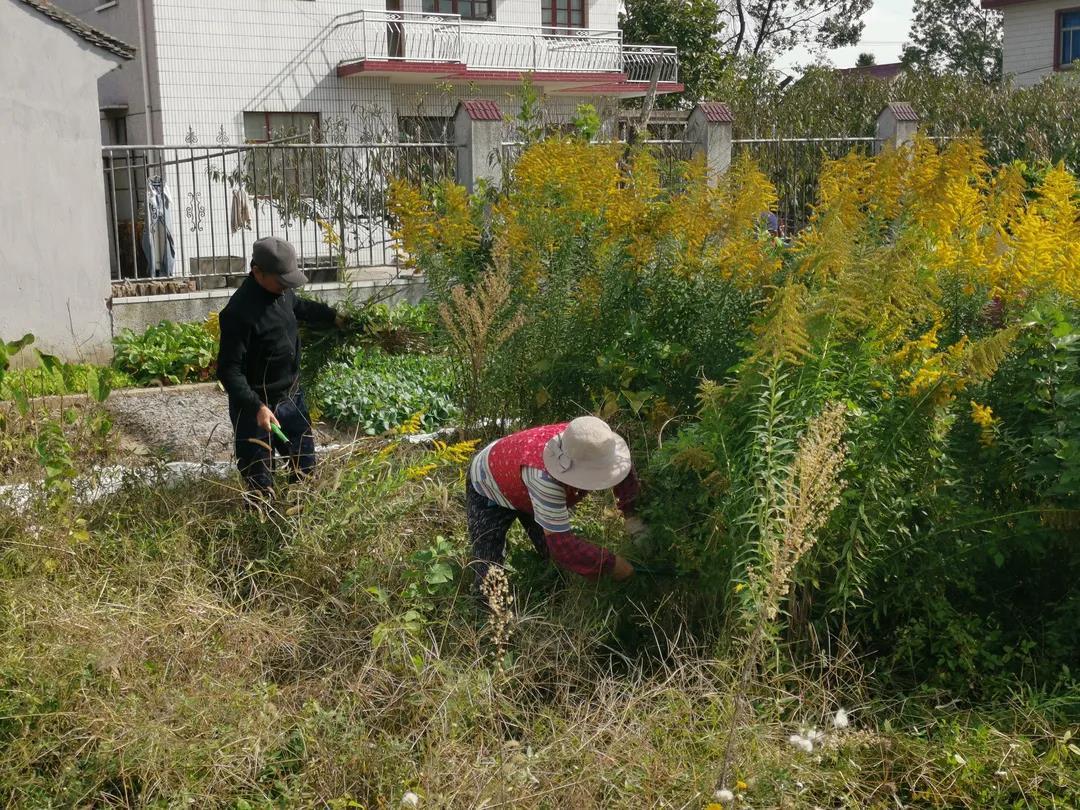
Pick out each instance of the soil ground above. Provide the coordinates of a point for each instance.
(188, 423)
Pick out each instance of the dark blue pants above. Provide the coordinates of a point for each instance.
(255, 462)
(488, 524)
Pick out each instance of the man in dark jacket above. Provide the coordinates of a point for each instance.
(259, 363)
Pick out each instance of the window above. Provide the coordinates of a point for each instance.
(117, 129)
(468, 9)
(1068, 44)
(563, 13)
(425, 129)
(288, 173)
(114, 125)
(263, 127)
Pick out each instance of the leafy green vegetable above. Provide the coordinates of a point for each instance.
(170, 353)
(378, 391)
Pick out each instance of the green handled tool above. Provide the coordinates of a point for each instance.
(279, 433)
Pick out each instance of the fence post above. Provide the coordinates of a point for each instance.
(478, 127)
(897, 124)
(708, 131)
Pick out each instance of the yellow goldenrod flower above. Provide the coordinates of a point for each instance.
(982, 415)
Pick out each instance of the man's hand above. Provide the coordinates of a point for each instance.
(265, 418)
(622, 570)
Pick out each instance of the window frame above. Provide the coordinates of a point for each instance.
(552, 25)
(266, 122)
(456, 10)
(1059, 15)
(299, 177)
(429, 123)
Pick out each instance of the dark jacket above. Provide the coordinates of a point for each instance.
(259, 358)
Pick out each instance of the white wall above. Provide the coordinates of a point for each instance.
(54, 257)
(125, 84)
(1029, 40)
(218, 58)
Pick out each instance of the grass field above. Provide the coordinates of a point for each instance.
(172, 648)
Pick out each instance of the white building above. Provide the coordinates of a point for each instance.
(52, 245)
(239, 70)
(216, 75)
(1041, 37)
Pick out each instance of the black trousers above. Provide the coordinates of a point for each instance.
(488, 524)
(255, 462)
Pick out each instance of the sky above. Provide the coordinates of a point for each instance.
(887, 27)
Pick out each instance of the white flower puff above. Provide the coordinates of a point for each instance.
(724, 796)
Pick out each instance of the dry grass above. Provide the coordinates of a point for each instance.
(191, 653)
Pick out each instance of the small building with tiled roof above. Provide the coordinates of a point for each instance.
(54, 251)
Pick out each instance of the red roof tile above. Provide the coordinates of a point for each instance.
(482, 110)
(717, 112)
(903, 111)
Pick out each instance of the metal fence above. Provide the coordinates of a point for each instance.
(489, 45)
(193, 211)
(794, 166)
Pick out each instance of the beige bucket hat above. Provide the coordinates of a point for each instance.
(588, 455)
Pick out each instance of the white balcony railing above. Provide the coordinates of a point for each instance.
(448, 39)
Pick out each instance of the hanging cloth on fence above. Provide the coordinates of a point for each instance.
(240, 215)
(158, 201)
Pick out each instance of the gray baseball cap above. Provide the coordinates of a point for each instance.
(275, 256)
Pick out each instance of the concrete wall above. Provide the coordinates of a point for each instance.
(123, 86)
(1029, 39)
(54, 255)
(137, 313)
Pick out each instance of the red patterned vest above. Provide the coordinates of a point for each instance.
(525, 449)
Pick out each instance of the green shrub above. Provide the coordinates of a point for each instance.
(55, 434)
(670, 313)
(68, 378)
(1034, 124)
(169, 353)
(378, 392)
(394, 329)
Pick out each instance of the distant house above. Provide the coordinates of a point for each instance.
(212, 73)
(248, 70)
(53, 250)
(1041, 37)
(889, 72)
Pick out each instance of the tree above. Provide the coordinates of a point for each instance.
(693, 26)
(955, 36)
(764, 28)
(866, 60)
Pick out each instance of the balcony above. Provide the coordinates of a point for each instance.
(408, 46)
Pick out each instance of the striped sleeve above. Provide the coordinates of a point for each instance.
(548, 500)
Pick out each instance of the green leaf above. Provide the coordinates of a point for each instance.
(439, 573)
(97, 386)
(50, 362)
